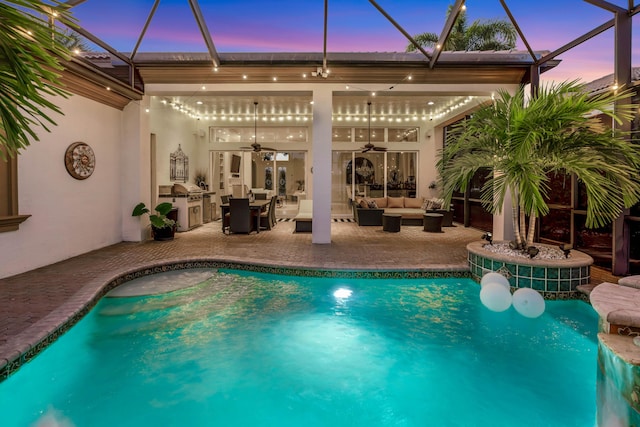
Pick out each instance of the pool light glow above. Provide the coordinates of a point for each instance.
(343, 293)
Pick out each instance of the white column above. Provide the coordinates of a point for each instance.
(321, 175)
(135, 173)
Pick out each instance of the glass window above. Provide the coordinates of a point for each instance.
(362, 134)
(403, 134)
(265, 134)
(341, 134)
(378, 134)
(10, 220)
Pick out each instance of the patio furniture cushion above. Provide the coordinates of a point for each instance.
(304, 218)
(381, 202)
(395, 202)
(413, 202)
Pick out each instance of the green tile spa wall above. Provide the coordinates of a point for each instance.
(552, 282)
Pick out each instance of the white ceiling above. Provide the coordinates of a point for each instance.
(345, 105)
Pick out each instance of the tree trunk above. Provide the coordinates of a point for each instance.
(514, 218)
(532, 229)
(523, 228)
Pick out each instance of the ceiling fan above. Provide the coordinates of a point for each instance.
(369, 146)
(255, 147)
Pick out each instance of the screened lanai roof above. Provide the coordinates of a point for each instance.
(288, 41)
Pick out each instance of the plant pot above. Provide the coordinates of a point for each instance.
(164, 233)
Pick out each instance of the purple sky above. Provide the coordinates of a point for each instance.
(354, 26)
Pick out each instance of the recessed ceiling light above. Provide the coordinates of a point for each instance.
(430, 103)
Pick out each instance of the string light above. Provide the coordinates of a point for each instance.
(354, 116)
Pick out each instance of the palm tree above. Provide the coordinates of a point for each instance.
(492, 34)
(30, 66)
(72, 41)
(522, 145)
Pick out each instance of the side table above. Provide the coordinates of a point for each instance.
(432, 222)
(391, 222)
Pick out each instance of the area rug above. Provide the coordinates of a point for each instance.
(333, 219)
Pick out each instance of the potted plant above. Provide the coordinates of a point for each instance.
(521, 144)
(162, 227)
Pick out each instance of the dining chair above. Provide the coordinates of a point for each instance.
(267, 218)
(241, 219)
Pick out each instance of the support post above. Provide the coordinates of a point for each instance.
(622, 77)
(321, 171)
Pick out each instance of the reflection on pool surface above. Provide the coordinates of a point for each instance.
(249, 349)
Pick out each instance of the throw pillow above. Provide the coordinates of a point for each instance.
(363, 204)
(426, 205)
(436, 204)
(380, 201)
(413, 202)
(395, 202)
(372, 204)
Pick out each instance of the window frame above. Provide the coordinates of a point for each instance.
(10, 219)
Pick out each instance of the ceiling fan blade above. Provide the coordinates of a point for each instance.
(379, 149)
(366, 149)
(268, 149)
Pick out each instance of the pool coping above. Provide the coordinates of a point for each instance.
(23, 347)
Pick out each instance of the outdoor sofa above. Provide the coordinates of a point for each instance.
(369, 211)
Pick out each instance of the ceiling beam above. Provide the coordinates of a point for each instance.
(324, 37)
(72, 3)
(197, 13)
(144, 29)
(448, 26)
(517, 27)
(577, 41)
(399, 28)
(607, 6)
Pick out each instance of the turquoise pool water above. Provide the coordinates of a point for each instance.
(246, 349)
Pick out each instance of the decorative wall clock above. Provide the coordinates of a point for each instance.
(79, 160)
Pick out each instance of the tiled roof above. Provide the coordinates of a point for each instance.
(605, 82)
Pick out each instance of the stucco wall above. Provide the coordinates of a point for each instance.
(173, 129)
(68, 217)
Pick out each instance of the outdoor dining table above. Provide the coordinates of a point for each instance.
(256, 205)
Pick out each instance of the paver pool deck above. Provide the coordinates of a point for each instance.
(35, 303)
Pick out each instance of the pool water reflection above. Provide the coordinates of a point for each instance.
(244, 348)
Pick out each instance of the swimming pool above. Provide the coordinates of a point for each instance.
(250, 349)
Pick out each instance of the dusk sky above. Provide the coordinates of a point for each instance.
(353, 26)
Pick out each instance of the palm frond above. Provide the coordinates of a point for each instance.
(30, 67)
(554, 132)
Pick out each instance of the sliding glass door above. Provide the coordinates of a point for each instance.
(371, 174)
